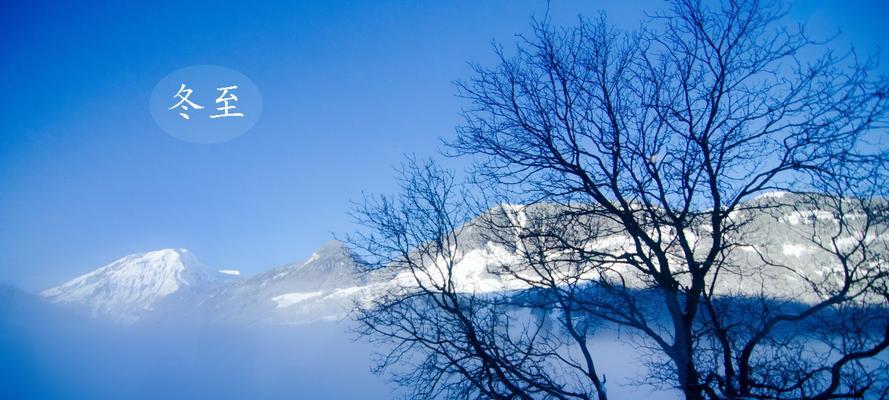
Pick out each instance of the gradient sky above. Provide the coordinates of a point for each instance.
(86, 176)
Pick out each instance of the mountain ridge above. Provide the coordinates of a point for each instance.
(328, 283)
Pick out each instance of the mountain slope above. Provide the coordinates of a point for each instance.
(322, 287)
(775, 252)
(132, 286)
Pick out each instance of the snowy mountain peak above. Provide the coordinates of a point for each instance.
(328, 249)
(332, 250)
(322, 287)
(134, 284)
(175, 258)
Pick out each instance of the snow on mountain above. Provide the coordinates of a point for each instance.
(132, 286)
(325, 287)
(777, 226)
(322, 287)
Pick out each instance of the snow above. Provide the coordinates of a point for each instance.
(347, 292)
(777, 194)
(806, 217)
(328, 280)
(795, 250)
(736, 215)
(134, 284)
(516, 214)
(289, 299)
(313, 258)
(748, 249)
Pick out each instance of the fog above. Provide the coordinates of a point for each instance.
(51, 353)
(47, 353)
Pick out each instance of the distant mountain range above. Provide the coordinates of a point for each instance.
(173, 282)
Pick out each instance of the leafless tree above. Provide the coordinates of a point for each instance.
(641, 159)
(446, 339)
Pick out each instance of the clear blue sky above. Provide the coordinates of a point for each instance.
(86, 176)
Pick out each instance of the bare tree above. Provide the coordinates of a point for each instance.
(642, 159)
(448, 338)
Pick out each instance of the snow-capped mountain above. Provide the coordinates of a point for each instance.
(322, 287)
(326, 286)
(782, 242)
(132, 286)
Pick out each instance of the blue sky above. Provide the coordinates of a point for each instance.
(86, 176)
